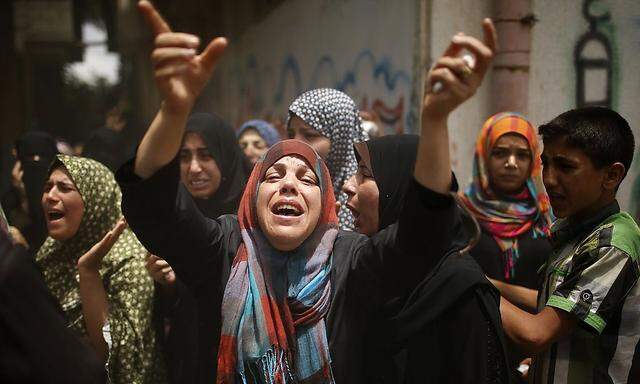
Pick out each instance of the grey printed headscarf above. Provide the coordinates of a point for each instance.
(335, 115)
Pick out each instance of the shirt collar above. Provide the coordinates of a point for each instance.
(564, 230)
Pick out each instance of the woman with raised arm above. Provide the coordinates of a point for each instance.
(94, 267)
(214, 171)
(428, 324)
(295, 295)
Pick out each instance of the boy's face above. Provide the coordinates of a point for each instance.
(574, 184)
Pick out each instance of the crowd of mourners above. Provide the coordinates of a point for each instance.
(222, 255)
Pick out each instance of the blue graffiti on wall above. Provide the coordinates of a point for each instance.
(289, 75)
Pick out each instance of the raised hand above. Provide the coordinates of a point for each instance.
(459, 80)
(180, 73)
(92, 259)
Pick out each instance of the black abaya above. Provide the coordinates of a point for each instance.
(449, 329)
(35, 344)
(186, 317)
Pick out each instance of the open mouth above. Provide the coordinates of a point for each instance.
(291, 209)
(198, 183)
(55, 215)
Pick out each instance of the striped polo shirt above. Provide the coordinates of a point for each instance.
(592, 274)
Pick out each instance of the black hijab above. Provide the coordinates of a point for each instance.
(424, 314)
(36, 151)
(392, 162)
(235, 168)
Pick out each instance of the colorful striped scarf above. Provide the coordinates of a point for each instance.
(275, 302)
(505, 220)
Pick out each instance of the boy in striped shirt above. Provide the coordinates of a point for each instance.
(586, 324)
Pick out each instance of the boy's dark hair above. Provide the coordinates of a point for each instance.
(603, 135)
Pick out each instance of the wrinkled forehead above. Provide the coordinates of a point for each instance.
(293, 161)
(90, 177)
(58, 172)
(290, 148)
(294, 152)
(290, 162)
(193, 140)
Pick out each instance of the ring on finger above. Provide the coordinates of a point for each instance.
(466, 72)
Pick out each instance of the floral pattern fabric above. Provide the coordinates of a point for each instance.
(134, 354)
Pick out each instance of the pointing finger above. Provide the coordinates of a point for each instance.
(490, 34)
(154, 19)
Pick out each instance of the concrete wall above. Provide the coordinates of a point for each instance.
(552, 85)
(371, 49)
(364, 47)
(464, 123)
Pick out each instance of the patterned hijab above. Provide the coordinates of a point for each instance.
(335, 115)
(275, 302)
(505, 220)
(133, 354)
(265, 130)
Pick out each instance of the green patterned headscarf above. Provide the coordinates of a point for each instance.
(134, 354)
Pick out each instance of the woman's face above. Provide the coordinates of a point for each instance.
(509, 164)
(252, 144)
(363, 193)
(199, 172)
(62, 205)
(302, 131)
(288, 203)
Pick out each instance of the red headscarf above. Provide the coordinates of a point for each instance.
(275, 302)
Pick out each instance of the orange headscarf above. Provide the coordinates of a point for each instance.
(506, 220)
